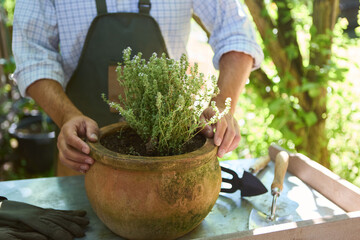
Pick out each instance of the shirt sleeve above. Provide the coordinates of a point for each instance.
(230, 29)
(36, 43)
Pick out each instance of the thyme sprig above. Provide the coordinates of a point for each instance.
(163, 100)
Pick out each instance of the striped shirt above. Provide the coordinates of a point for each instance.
(48, 35)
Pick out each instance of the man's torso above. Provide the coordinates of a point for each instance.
(74, 19)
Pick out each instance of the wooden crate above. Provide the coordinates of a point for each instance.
(341, 192)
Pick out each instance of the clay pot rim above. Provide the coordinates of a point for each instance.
(145, 163)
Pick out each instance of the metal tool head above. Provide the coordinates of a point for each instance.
(249, 185)
(259, 219)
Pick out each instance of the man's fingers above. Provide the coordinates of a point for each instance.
(227, 135)
(80, 167)
(207, 131)
(92, 130)
(220, 131)
(74, 130)
(66, 146)
(226, 142)
(237, 138)
(73, 150)
(73, 158)
(74, 141)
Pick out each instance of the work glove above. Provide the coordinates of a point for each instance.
(10, 233)
(54, 224)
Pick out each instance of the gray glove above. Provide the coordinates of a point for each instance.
(55, 224)
(10, 233)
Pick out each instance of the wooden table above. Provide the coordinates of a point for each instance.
(322, 205)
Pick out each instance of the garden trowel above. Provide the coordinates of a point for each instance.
(260, 219)
(248, 184)
(259, 164)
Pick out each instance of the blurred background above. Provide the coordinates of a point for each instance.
(304, 98)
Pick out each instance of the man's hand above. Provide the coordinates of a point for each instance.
(73, 151)
(227, 132)
(75, 127)
(235, 69)
(54, 224)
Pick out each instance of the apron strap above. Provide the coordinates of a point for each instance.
(101, 7)
(144, 6)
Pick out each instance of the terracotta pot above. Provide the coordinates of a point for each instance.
(152, 197)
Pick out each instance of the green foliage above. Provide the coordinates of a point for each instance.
(9, 6)
(12, 110)
(254, 121)
(7, 114)
(274, 107)
(164, 99)
(343, 125)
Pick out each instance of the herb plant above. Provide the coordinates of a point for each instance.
(163, 100)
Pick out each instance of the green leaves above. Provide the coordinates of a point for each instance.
(287, 111)
(309, 117)
(163, 100)
(292, 51)
(276, 106)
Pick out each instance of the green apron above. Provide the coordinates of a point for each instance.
(109, 34)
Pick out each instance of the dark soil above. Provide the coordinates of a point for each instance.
(126, 141)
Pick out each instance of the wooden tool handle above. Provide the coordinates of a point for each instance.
(281, 165)
(259, 164)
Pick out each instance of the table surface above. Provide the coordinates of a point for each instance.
(229, 215)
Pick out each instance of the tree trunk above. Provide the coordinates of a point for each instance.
(324, 17)
(5, 52)
(4, 43)
(292, 71)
